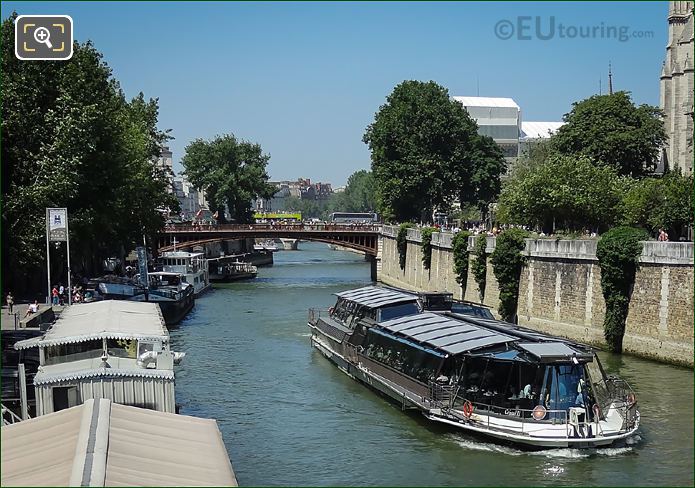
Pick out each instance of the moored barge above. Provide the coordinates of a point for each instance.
(477, 374)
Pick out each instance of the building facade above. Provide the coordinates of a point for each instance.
(677, 88)
(499, 118)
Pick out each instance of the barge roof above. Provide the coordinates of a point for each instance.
(374, 296)
(444, 333)
(100, 443)
(110, 319)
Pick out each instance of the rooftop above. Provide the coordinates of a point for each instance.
(100, 443)
(96, 368)
(110, 319)
(539, 130)
(373, 296)
(487, 102)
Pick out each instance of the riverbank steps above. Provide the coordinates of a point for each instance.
(560, 290)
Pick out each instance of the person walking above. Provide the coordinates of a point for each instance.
(54, 293)
(10, 301)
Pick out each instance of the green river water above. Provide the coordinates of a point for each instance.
(290, 417)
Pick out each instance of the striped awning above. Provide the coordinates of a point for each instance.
(444, 333)
(375, 297)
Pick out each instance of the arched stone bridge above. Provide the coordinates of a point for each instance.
(363, 238)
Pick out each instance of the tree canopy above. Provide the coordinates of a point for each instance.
(426, 152)
(232, 173)
(660, 203)
(71, 139)
(611, 130)
(562, 192)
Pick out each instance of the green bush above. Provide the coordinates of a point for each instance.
(426, 235)
(459, 246)
(402, 242)
(479, 264)
(507, 261)
(618, 253)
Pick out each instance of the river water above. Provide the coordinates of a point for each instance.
(289, 417)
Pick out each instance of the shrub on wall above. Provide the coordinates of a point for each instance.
(402, 242)
(426, 235)
(480, 264)
(618, 253)
(507, 261)
(459, 246)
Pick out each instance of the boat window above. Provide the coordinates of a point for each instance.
(562, 386)
(598, 393)
(121, 348)
(395, 311)
(508, 385)
(409, 359)
(74, 352)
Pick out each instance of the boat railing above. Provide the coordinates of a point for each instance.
(351, 353)
(574, 427)
(316, 313)
(440, 396)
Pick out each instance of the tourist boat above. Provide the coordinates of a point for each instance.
(477, 374)
(192, 266)
(174, 296)
(224, 270)
(268, 245)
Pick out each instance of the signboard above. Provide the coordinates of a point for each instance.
(142, 265)
(57, 223)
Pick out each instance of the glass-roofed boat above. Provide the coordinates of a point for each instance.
(475, 373)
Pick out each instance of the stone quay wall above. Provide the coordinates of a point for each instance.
(560, 290)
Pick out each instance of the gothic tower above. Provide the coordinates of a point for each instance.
(677, 88)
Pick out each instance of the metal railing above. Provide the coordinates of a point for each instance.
(8, 416)
(297, 227)
(316, 313)
(526, 419)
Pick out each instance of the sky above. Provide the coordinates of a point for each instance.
(304, 79)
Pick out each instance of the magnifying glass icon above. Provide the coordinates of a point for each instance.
(43, 36)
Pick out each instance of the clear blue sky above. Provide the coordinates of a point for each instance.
(305, 79)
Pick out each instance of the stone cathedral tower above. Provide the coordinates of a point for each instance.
(677, 88)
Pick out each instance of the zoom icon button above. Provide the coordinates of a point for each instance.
(43, 37)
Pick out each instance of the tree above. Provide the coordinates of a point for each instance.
(425, 151)
(71, 139)
(563, 192)
(660, 203)
(484, 184)
(359, 193)
(232, 173)
(611, 130)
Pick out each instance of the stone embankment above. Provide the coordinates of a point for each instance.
(560, 290)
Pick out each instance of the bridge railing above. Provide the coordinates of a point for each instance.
(294, 227)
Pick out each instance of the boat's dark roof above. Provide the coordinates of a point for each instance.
(444, 333)
(374, 297)
(549, 351)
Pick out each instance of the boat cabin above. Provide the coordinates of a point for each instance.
(109, 349)
(191, 266)
(373, 303)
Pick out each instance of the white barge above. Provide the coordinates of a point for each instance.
(477, 374)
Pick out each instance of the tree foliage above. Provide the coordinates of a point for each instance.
(426, 236)
(426, 152)
(618, 253)
(479, 264)
(660, 203)
(232, 173)
(611, 130)
(507, 262)
(71, 139)
(459, 246)
(562, 192)
(359, 194)
(402, 242)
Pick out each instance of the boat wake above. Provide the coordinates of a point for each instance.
(561, 453)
